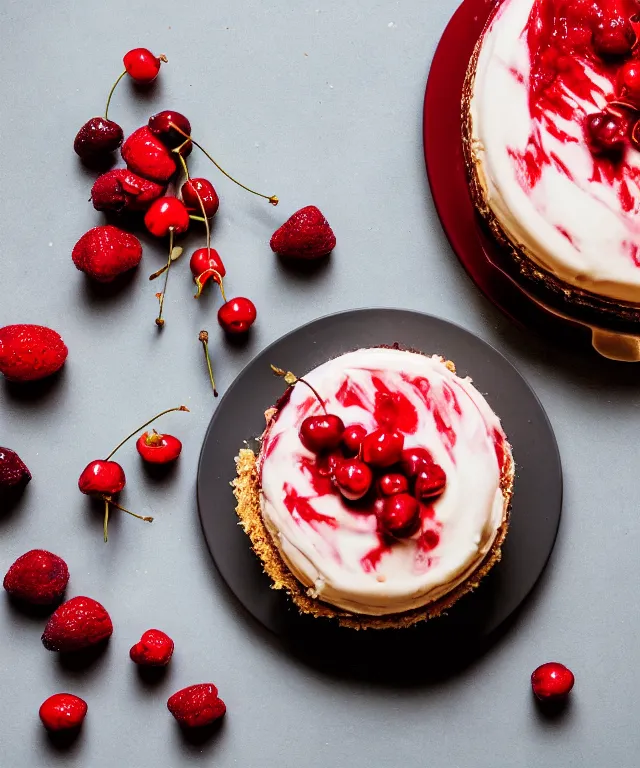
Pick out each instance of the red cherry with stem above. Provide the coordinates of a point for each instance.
(353, 479)
(203, 189)
(63, 712)
(321, 433)
(165, 214)
(141, 65)
(161, 126)
(382, 448)
(606, 133)
(389, 485)
(430, 482)
(614, 37)
(552, 681)
(97, 137)
(400, 516)
(628, 82)
(415, 460)
(352, 439)
(158, 449)
(237, 315)
(205, 265)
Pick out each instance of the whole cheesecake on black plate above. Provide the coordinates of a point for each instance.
(399, 511)
(552, 141)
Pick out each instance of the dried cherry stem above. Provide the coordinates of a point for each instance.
(133, 514)
(105, 524)
(113, 87)
(204, 338)
(108, 501)
(159, 319)
(273, 199)
(291, 380)
(146, 424)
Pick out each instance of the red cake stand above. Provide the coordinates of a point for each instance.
(476, 249)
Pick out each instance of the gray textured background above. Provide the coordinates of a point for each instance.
(319, 102)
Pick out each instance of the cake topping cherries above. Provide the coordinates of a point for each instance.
(353, 478)
(607, 133)
(382, 448)
(400, 516)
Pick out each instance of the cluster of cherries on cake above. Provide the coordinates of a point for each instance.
(375, 465)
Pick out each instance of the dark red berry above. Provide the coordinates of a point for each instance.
(164, 214)
(97, 137)
(430, 482)
(161, 126)
(552, 681)
(142, 65)
(154, 649)
(352, 439)
(205, 265)
(196, 706)
(353, 479)
(123, 190)
(415, 460)
(38, 577)
(210, 200)
(63, 712)
(158, 449)
(321, 433)
(614, 37)
(606, 133)
(327, 463)
(77, 624)
(628, 82)
(389, 485)
(237, 315)
(400, 516)
(102, 478)
(382, 448)
(13, 471)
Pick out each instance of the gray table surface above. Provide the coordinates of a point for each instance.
(321, 103)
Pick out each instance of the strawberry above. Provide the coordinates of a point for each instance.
(14, 473)
(306, 235)
(79, 623)
(197, 705)
(37, 577)
(155, 649)
(30, 352)
(122, 190)
(63, 712)
(147, 156)
(105, 252)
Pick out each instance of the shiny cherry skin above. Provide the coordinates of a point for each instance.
(141, 65)
(414, 460)
(352, 439)
(161, 126)
(321, 433)
(606, 133)
(327, 463)
(63, 712)
(158, 449)
(210, 200)
(400, 516)
(167, 213)
(236, 316)
(393, 483)
(614, 38)
(101, 477)
(430, 483)
(97, 137)
(353, 479)
(628, 83)
(382, 448)
(205, 259)
(552, 681)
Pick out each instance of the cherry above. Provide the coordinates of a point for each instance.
(400, 516)
(63, 712)
(205, 265)
(606, 133)
(328, 463)
(430, 482)
(237, 315)
(142, 65)
(389, 485)
(415, 460)
(158, 449)
(97, 137)
(382, 448)
(321, 433)
(353, 478)
(161, 125)
(352, 439)
(192, 188)
(628, 82)
(614, 37)
(166, 214)
(552, 681)
(102, 477)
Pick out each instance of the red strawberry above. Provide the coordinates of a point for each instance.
(105, 252)
(30, 352)
(197, 705)
(146, 155)
(155, 649)
(63, 712)
(37, 577)
(306, 235)
(122, 190)
(79, 623)
(14, 473)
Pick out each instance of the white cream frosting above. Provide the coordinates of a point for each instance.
(454, 422)
(576, 228)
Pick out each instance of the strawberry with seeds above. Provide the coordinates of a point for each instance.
(30, 352)
(77, 624)
(105, 252)
(306, 235)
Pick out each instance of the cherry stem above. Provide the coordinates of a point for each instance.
(273, 199)
(201, 219)
(159, 320)
(113, 87)
(204, 338)
(291, 380)
(146, 424)
(133, 514)
(105, 525)
(184, 165)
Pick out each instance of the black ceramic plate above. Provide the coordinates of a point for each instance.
(538, 490)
